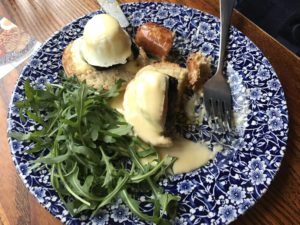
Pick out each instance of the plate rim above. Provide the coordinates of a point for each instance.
(133, 4)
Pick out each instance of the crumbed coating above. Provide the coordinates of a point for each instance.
(75, 65)
(173, 70)
(199, 70)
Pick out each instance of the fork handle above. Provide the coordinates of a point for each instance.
(226, 7)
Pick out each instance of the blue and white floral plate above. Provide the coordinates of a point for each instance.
(228, 185)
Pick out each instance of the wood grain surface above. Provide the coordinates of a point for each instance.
(40, 18)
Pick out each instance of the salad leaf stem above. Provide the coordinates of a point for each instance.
(92, 154)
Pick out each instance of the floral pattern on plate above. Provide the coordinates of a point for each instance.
(228, 185)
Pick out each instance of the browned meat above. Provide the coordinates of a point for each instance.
(155, 39)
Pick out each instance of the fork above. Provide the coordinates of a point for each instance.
(216, 91)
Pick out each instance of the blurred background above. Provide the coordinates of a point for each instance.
(279, 18)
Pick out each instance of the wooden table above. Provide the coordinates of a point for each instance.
(281, 203)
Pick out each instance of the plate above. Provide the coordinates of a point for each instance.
(228, 185)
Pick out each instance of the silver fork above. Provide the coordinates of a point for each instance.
(217, 94)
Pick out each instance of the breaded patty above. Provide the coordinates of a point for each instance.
(75, 65)
(173, 70)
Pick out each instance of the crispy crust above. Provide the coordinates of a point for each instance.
(155, 39)
(199, 70)
(173, 70)
(75, 65)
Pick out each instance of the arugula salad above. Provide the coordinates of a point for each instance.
(91, 152)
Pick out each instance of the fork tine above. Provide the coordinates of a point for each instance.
(217, 116)
(221, 116)
(208, 108)
(228, 116)
(214, 115)
(225, 121)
